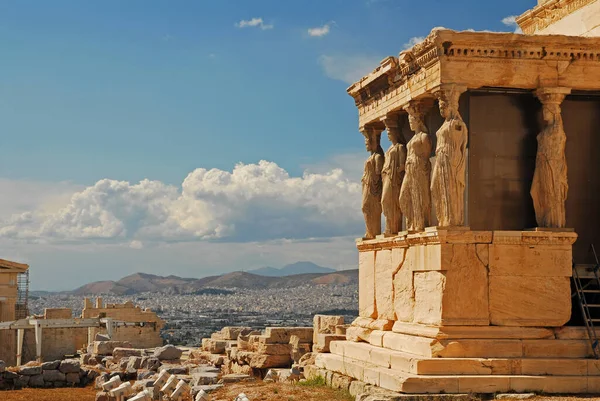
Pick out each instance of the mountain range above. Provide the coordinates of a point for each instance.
(143, 282)
(289, 270)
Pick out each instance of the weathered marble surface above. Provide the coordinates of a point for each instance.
(449, 181)
(415, 194)
(550, 186)
(372, 185)
(393, 176)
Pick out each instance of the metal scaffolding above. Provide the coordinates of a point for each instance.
(22, 306)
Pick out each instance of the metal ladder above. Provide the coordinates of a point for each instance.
(589, 273)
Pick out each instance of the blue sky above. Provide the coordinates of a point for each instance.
(134, 90)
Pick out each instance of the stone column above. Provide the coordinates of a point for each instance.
(392, 176)
(448, 181)
(550, 187)
(20, 334)
(372, 185)
(109, 327)
(415, 195)
(87, 303)
(38, 341)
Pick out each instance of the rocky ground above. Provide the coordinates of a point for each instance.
(258, 391)
(255, 392)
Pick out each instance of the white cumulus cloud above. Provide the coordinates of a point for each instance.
(254, 23)
(511, 21)
(253, 202)
(413, 41)
(320, 31)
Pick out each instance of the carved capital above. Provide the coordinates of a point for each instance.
(372, 133)
(390, 121)
(554, 95)
(449, 93)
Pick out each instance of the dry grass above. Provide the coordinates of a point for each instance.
(52, 394)
(260, 391)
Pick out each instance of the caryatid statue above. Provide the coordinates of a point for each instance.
(372, 185)
(448, 182)
(392, 176)
(415, 195)
(549, 188)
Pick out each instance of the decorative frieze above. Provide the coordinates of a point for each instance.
(475, 60)
(546, 14)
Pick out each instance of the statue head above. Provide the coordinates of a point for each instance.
(416, 116)
(551, 99)
(448, 98)
(394, 135)
(372, 138)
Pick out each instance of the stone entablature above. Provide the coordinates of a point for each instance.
(476, 60)
(549, 12)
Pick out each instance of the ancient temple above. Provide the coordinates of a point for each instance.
(493, 170)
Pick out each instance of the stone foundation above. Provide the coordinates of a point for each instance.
(460, 311)
(468, 278)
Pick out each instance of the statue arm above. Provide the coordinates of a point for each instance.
(402, 158)
(379, 160)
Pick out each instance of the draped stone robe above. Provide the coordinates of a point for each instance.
(448, 181)
(393, 176)
(415, 196)
(372, 187)
(549, 188)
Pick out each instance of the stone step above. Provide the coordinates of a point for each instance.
(456, 384)
(414, 364)
(481, 348)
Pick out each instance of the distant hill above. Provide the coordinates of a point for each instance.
(142, 282)
(289, 270)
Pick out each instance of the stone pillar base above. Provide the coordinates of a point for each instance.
(459, 277)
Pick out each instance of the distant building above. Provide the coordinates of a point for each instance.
(14, 292)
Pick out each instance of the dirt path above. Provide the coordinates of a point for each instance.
(52, 394)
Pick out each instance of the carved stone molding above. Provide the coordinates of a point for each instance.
(546, 14)
(475, 60)
(433, 236)
(379, 244)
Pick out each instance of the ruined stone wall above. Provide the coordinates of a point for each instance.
(8, 299)
(8, 346)
(126, 312)
(146, 336)
(58, 313)
(60, 342)
(56, 343)
(139, 337)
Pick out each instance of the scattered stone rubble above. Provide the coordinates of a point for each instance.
(234, 354)
(241, 350)
(66, 373)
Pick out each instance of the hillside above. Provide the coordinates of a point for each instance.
(142, 282)
(292, 269)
